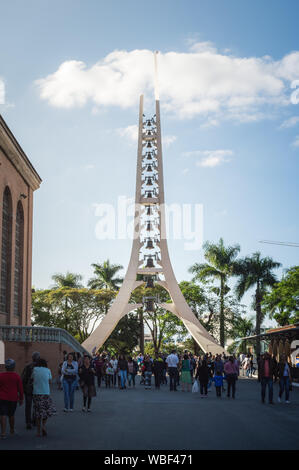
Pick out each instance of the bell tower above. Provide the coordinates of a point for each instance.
(149, 256)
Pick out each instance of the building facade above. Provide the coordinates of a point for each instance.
(18, 181)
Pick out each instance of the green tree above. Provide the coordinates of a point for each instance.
(283, 301)
(85, 307)
(67, 280)
(220, 266)
(241, 328)
(255, 272)
(105, 276)
(163, 325)
(124, 338)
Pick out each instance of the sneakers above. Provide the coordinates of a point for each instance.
(71, 409)
(84, 408)
(279, 400)
(65, 410)
(287, 401)
(89, 410)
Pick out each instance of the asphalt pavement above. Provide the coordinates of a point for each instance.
(159, 419)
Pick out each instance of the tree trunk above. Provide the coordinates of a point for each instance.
(141, 338)
(222, 287)
(258, 310)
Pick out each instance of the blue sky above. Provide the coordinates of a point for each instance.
(71, 73)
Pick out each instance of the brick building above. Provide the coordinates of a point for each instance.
(18, 181)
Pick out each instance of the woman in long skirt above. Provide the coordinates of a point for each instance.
(186, 378)
(42, 402)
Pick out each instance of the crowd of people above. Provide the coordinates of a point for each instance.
(86, 372)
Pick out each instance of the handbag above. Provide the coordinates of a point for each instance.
(195, 387)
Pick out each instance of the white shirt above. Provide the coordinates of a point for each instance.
(172, 360)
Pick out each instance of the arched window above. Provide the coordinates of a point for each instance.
(6, 252)
(19, 250)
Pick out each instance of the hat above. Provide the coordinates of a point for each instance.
(10, 364)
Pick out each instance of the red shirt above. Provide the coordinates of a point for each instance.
(11, 387)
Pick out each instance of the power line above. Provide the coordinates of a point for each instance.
(296, 245)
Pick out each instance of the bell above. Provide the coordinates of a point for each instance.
(149, 245)
(149, 194)
(149, 168)
(149, 132)
(149, 182)
(150, 263)
(149, 145)
(149, 227)
(148, 122)
(149, 305)
(149, 156)
(149, 283)
(149, 211)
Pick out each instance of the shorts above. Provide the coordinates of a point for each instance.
(8, 408)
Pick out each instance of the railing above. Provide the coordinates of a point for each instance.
(33, 334)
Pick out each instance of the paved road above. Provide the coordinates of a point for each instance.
(159, 419)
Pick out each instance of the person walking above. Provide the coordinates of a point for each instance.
(69, 373)
(42, 402)
(28, 390)
(218, 380)
(285, 379)
(114, 362)
(266, 372)
(99, 367)
(87, 375)
(158, 368)
(11, 392)
(203, 375)
(109, 374)
(132, 371)
(231, 370)
(123, 371)
(172, 362)
(148, 372)
(186, 373)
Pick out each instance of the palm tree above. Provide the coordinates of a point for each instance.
(254, 271)
(105, 276)
(67, 280)
(220, 266)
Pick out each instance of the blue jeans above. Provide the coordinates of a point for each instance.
(284, 384)
(264, 382)
(131, 379)
(123, 378)
(69, 392)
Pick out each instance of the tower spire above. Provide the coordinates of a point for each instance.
(149, 256)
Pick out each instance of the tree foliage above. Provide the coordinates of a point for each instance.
(283, 301)
(77, 310)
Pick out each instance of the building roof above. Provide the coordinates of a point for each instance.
(16, 155)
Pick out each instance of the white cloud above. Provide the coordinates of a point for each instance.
(185, 171)
(291, 122)
(167, 140)
(129, 132)
(210, 158)
(201, 81)
(2, 91)
(296, 141)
